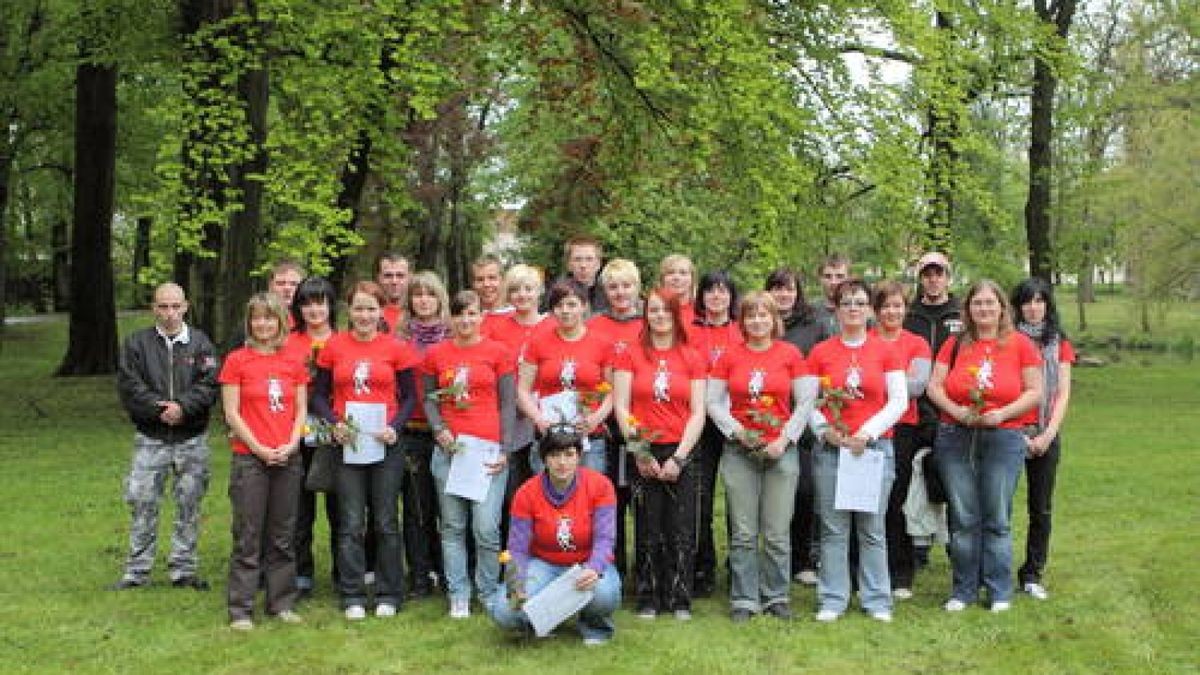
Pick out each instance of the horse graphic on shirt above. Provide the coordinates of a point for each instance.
(362, 377)
(274, 394)
(462, 379)
(854, 381)
(983, 378)
(662, 383)
(566, 541)
(566, 374)
(758, 378)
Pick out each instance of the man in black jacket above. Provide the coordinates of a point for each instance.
(167, 381)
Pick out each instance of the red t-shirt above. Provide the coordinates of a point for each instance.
(567, 365)
(992, 368)
(910, 347)
(505, 329)
(714, 341)
(393, 315)
(563, 535)
(302, 348)
(662, 387)
(365, 372)
(860, 372)
(619, 334)
(1066, 353)
(266, 394)
(478, 368)
(761, 383)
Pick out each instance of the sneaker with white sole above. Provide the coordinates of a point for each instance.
(828, 616)
(954, 605)
(355, 613)
(385, 610)
(807, 577)
(1001, 606)
(882, 615)
(683, 615)
(594, 641)
(241, 625)
(288, 616)
(460, 609)
(902, 594)
(1037, 591)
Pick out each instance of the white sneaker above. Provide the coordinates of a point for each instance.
(355, 613)
(807, 577)
(827, 616)
(954, 605)
(460, 609)
(594, 642)
(241, 625)
(902, 594)
(1037, 591)
(683, 614)
(1001, 606)
(385, 610)
(369, 578)
(882, 615)
(288, 616)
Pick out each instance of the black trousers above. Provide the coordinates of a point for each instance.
(306, 519)
(706, 462)
(665, 515)
(804, 515)
(901, 555)
(422, 544)
(1040, 473)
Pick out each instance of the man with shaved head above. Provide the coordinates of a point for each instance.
(167, 381)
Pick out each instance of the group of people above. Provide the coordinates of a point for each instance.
(837, 428)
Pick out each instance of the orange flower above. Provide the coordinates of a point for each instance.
(767, 400)
(973, 370)
(505, 557)
(631, 421)
(604, 387)
(826, 382)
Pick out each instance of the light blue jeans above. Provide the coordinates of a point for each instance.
(761, 495)
(980, 468)
(595, 619)
(874, 584)
(485, 526)
(596, 457)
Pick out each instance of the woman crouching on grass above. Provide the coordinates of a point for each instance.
(658, 395)
(759, 396)
(263, 391)
(562, 517)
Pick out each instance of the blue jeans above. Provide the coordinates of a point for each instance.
(595, 619)
(596, 457)
(980, 468)
(375, 489)
(485, 526)
(760, 494)
(833, 587)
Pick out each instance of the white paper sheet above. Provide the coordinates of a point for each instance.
(563, 408)
(859, 480)
(369, 418)
(556, 602)
(468, 478)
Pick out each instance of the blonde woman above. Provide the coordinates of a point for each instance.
(677, 274)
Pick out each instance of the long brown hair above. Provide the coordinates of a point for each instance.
(1003, 329)
(675, 306)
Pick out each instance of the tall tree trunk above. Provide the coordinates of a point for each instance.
(941, 173)
(6, 157)
(92, 346)
(60, 262)
(1057, 15)
(140, 293)
(354, 180)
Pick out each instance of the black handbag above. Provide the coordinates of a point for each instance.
(322, 469)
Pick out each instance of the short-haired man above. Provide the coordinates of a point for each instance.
(584, 255)
(935, 316)
(286, 276)
(167, 382)
(834, 269)
(392, 272)
(487, 280)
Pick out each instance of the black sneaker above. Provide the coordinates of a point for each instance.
(126, 583)
(739, 615)
(192, 582)
(781, 611)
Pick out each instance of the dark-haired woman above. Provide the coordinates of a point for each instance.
(867, 377)
(713, 332)
(802, 328)
(987, 382)
(562, 517)
(471, 379)
(569, 358)
(263, 392)
(366, 366)
(1033, 301)
(658, 396)
(313, 316)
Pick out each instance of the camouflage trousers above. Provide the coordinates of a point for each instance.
(154, 461)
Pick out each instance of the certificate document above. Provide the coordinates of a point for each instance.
(369, 419)
(556, 602)
(859, 480)
(468, 477)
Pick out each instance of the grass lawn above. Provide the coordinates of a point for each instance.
(1123, 573)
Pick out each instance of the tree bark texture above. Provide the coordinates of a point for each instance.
(92, 345)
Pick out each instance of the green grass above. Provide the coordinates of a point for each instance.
(1123, 570)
